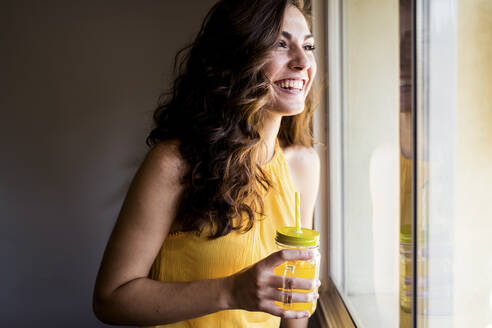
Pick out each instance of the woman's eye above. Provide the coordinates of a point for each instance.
(282, 44)
(309, 47)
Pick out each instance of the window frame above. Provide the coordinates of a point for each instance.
(327, 27)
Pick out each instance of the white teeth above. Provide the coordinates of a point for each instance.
(291, 84)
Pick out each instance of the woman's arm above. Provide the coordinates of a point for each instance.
(124, 295)
(304, 166)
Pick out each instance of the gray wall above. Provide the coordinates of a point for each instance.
(78, 83)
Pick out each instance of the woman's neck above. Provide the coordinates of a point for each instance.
(270, 131)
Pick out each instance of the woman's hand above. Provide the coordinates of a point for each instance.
(257, 287)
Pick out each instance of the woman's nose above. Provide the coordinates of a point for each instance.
(299, 60)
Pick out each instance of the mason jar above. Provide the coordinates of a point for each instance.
(306, 239)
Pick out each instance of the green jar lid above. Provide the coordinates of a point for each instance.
(289, 236)
(405, 237)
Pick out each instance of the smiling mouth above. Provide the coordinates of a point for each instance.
(294, 86)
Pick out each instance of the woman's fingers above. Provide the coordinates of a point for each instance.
(284, 255)
(274, 309)
(293, 282)
(294, 297)
(257, 287)
(304, 297)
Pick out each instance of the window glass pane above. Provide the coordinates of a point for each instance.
(371, 161)
(374, 191)
(455, 166)
(472, 266)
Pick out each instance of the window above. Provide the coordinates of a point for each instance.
(409, 160)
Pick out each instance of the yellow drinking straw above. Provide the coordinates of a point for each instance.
(298, 214)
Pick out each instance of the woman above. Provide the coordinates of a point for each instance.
(193, 245)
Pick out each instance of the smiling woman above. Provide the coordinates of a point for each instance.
(194, 242)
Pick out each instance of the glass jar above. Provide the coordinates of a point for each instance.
(406, 272)
(289, 238)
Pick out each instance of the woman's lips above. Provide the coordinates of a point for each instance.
(290, 91)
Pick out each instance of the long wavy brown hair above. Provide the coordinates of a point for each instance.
(216, 109)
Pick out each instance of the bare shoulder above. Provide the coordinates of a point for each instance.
(165, 160)
(167, 153)
(301, 158)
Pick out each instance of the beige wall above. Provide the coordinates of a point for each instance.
(473, 228)
(78, 83)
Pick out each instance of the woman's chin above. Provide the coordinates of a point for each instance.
(287, 110)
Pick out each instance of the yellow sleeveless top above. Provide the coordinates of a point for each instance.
(186, 256)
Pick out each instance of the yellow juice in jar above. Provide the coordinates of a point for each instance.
(302, 269)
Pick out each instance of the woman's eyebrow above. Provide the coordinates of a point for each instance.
(288, 36)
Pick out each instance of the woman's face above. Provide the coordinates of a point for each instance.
(291, 66)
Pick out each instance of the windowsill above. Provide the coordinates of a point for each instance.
(333, 312)
(369, 310)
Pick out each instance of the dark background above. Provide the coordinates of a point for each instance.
(79, 81)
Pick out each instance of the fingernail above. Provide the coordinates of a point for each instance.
(290, 314)
(308, 254)
(318, 283)
(302, 314)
